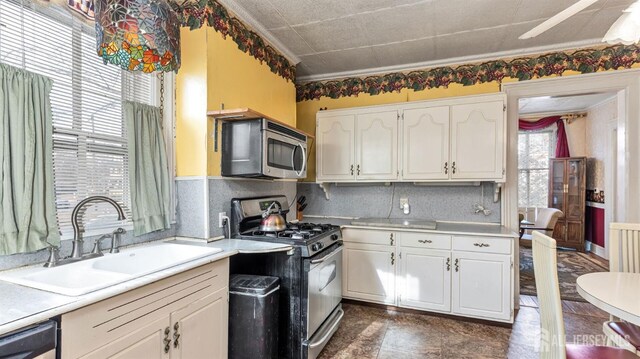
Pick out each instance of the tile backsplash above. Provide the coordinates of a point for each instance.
(450, 203)
(198, 210)
(41, 256)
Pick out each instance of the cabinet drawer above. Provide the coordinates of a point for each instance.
(369, 236)
(424, 240)
(482, 244)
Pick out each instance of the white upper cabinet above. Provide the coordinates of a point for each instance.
(455, 139)
(477, 133)
(336, 155)
(425, 152)
(377, 146)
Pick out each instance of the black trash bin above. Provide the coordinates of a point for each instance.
(253, 316)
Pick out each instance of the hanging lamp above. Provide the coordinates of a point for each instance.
(138, 35)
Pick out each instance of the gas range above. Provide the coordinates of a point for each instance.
(311, 237)
(310, 274)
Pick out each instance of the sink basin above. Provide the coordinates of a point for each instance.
(395, 222)
(93, 274)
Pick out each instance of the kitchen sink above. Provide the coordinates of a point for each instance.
(89, 275)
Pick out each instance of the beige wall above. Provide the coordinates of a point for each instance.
(576, 131)
(596, 130)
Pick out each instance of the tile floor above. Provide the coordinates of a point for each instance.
(373, 332)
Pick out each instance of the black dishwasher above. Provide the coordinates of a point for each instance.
(29, 342)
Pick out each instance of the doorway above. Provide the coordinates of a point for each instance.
(626, 85)
(561, 170)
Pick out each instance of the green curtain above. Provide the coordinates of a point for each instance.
(28, 213)
(148, 168)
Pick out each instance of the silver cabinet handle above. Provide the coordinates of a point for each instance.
(358, 170)
(352, 170)
(453, 167)
(446, 168)
(393, 258)
(457, 264)
(481, 245)
(425, 241)
(448, 264)
(391, 238)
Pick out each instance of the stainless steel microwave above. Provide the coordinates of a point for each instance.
(260, 148)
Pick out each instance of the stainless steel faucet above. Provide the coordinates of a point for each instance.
(77, 250)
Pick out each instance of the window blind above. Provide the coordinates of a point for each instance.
(90, 147)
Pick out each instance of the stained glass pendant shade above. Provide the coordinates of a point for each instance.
(138, 35)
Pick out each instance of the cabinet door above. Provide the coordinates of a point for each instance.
(369, 273)
(425, 150)
(424, 281)
(575, 188)
(146, 342)
(377, 146)
(200, 330)
(477, 141)
(481, 285)
(336, 148)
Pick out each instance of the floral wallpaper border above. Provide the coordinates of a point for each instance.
(523, 68)
(195, 14)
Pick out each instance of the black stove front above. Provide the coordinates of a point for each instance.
(311, 243)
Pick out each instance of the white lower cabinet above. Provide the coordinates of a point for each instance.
(425, 279)
(183, 316)
(482, 285)
(369, 272)
(470, 276)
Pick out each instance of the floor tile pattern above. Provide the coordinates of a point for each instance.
(375, 332)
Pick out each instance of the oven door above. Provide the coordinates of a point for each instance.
(325, 288)
(284, 157)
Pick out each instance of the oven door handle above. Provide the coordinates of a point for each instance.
(304, 160)
(329, 332)
(320, 260)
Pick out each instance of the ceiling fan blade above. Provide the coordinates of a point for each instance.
(558, 18)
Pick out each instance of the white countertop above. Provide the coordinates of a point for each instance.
(23, 306)
(459, 228)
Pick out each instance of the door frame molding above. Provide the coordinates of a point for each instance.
(626, 83)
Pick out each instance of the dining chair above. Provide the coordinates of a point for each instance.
(624, 256)
(546, 220)
(552, 339)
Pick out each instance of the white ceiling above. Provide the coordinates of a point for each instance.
(334, 38)
(557, 104)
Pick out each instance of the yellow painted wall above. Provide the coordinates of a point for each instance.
(214, 72)
(307, 109)
(191, 105)
(238, 80)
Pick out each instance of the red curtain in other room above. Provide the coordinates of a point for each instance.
(562, 145)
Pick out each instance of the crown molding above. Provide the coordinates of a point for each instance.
(256, 26)
(463, 60)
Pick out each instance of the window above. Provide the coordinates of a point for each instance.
(534, 151)
(89, 139)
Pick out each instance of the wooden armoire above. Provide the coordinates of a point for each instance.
(567, 193)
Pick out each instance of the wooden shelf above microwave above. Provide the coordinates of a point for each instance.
(237, 114)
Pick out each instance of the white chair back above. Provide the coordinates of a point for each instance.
(547, 218)
(545, 267)
(624, 247)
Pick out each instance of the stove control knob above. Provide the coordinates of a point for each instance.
(320, 245)
(334, 237)
(315, 247)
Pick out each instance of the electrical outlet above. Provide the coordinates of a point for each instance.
(222, 217)
(403, 202)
